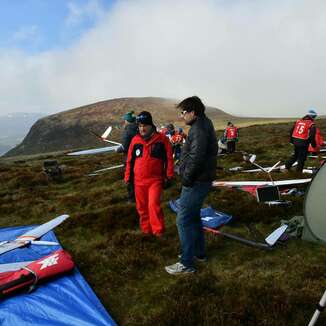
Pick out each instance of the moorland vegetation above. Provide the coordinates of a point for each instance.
(239, 285)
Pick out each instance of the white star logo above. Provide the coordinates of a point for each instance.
(207, 218)
(52, 260)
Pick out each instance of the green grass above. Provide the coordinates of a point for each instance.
(239, 285)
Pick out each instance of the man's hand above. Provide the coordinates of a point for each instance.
(119, 149)
(186, 182)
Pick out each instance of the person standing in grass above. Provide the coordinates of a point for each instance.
(150, 165)
(302, 134)
(198, 170)
(231, 136)
(130, 130)
(319, 143)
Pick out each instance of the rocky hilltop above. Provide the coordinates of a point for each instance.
(71, 129)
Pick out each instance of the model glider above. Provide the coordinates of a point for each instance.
(280, 183)
(31, 236)
(279, 168)
(270, 240)
(269, 168)
(212, 220)
(100, 150)
(105, 136)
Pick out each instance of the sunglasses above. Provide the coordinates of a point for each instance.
(182, 113)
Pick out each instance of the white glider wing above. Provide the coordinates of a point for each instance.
(32, 235)
(10, 267)
(101, 171)
(260, 183)
(5, 247)
(269, 168)
(95, 151)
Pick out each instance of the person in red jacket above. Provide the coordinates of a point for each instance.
(150, 166)
(303, 133)
(177, 140)
(319, 142)
(231, 136)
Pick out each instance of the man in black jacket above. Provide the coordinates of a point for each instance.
(130, 130)
(198, 170)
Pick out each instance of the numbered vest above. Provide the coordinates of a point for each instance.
(176, 139)
(231, 133)
(301, 129)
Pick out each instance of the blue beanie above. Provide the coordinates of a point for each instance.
(312, 112)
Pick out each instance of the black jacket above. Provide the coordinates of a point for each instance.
(199, 153)
(130, 130)
(305, 143)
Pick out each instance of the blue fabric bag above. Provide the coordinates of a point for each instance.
(63, 301)
(210, 217)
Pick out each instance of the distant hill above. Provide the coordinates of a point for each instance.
(14, 127)
(71, 129)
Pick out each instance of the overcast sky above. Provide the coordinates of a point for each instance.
(257, 58)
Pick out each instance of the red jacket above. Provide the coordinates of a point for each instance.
(149, 160)
(319, 142)
(177, 138)
(301, 129)
(231, 133)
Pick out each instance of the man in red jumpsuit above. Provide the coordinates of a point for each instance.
(150, 165)
(303, 133)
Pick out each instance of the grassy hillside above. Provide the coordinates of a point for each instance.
(71, 129)
(239, 285)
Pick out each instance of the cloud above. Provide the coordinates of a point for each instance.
(26, 33)
(246, 57)
(79, 13)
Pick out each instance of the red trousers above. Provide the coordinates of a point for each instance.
(148, 204)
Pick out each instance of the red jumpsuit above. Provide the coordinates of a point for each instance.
(149, 163)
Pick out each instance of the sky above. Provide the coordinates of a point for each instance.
(246, 57)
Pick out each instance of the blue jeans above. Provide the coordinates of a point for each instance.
(190, 229)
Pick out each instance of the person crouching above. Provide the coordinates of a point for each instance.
(150, 165)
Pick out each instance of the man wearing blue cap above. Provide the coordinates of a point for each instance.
(130, 130)
(302, 134)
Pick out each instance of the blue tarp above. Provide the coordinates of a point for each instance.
(64, 301)
(210, 217)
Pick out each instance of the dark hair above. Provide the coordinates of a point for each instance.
(192, 103)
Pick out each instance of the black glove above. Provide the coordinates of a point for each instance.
(167, 183)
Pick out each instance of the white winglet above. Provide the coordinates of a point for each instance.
(275, 235)
(274, 166)
(106, 133)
